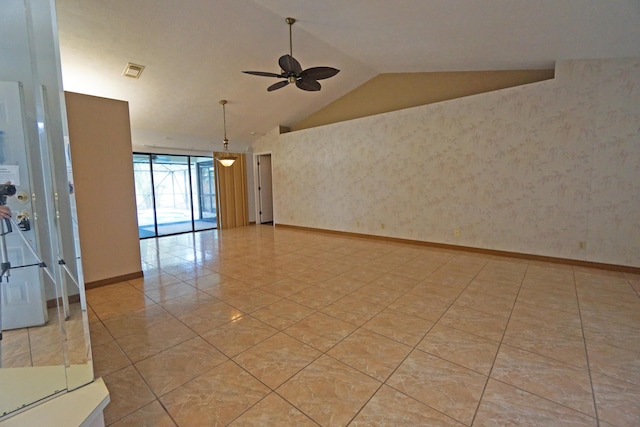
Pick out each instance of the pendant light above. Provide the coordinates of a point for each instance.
(226, 159)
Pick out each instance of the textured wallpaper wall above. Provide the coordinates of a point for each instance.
(535, 169)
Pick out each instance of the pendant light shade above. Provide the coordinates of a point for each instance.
(226, 159)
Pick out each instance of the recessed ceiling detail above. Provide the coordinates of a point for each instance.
(133, 70)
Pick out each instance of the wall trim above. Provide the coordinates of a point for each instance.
(112, 280)
(57, 302)
(518, 255)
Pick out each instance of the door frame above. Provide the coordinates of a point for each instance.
(256, 184)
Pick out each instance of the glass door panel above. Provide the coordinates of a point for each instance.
(203, 183)
(144, 195)
(172, 189)
(174, 194)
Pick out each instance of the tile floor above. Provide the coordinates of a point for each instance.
(264, 326)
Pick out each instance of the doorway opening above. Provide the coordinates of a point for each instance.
(265, 189)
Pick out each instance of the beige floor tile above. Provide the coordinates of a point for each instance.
(545, 377)
(313, 276)
(341, 285)
(108, 358)
(99, 333)
(285, 287)
(465, 349)
(616, 400)
(395, 281)
(166, 292)
(315, 297)
(550, 299)
(147, 283)
(127, 392)
(426, 308)
(506, 289)
(154, 339)
(189, 273)
(182, 305)
(366, 273)
(542, 284)
(227, 388)
(504, 405)
(136, 321)
(277, 359)
(328, 391)
(389, 407)
(442, 385)
(273, 411)
(352, 310)
(606, 313)
(560, 321)
(436, 291)
(177, 365)
(415, 270)
(16, 350)
(546, 342)
(398, 326)
(370, 353)
(491, 304)
(615, 334)
(208, 281)
(237, 336)
(253, 300)
(209, 317)
(151, 415)
(378, 294)
(614, 361)
(45, 336)
(112, 293)
(475, 322)
(282, 314)
(320, 331)
(318, 289)
(125, 303)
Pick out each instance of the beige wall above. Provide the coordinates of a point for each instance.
(395, 91)
(550, 168)
(100, 139)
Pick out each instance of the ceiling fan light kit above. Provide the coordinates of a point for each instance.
(292, 72)
(226, 159)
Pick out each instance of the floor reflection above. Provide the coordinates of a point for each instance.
(41, 361)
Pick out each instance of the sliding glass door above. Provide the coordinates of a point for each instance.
(174, 194)
(204, 187)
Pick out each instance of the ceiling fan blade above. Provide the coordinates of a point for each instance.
(290, 65)
(277, 85)
(308, 84)
(264, 74)
(319, 73)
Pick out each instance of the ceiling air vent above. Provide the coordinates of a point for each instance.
(133, 70)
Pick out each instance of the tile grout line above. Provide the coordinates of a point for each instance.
(586, 351)
(475, 413)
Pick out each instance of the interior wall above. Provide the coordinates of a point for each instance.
(550, 168)
(100, 140)
(395, 91)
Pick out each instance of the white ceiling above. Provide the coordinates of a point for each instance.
(194, 52)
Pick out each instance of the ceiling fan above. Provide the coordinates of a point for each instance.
(292, 71)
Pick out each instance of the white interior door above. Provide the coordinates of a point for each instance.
(22, 295)
(265, 190)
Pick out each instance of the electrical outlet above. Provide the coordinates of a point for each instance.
(582, 245)
(382, 226)
(457, 233)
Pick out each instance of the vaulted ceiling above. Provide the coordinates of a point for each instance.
(194, 52)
